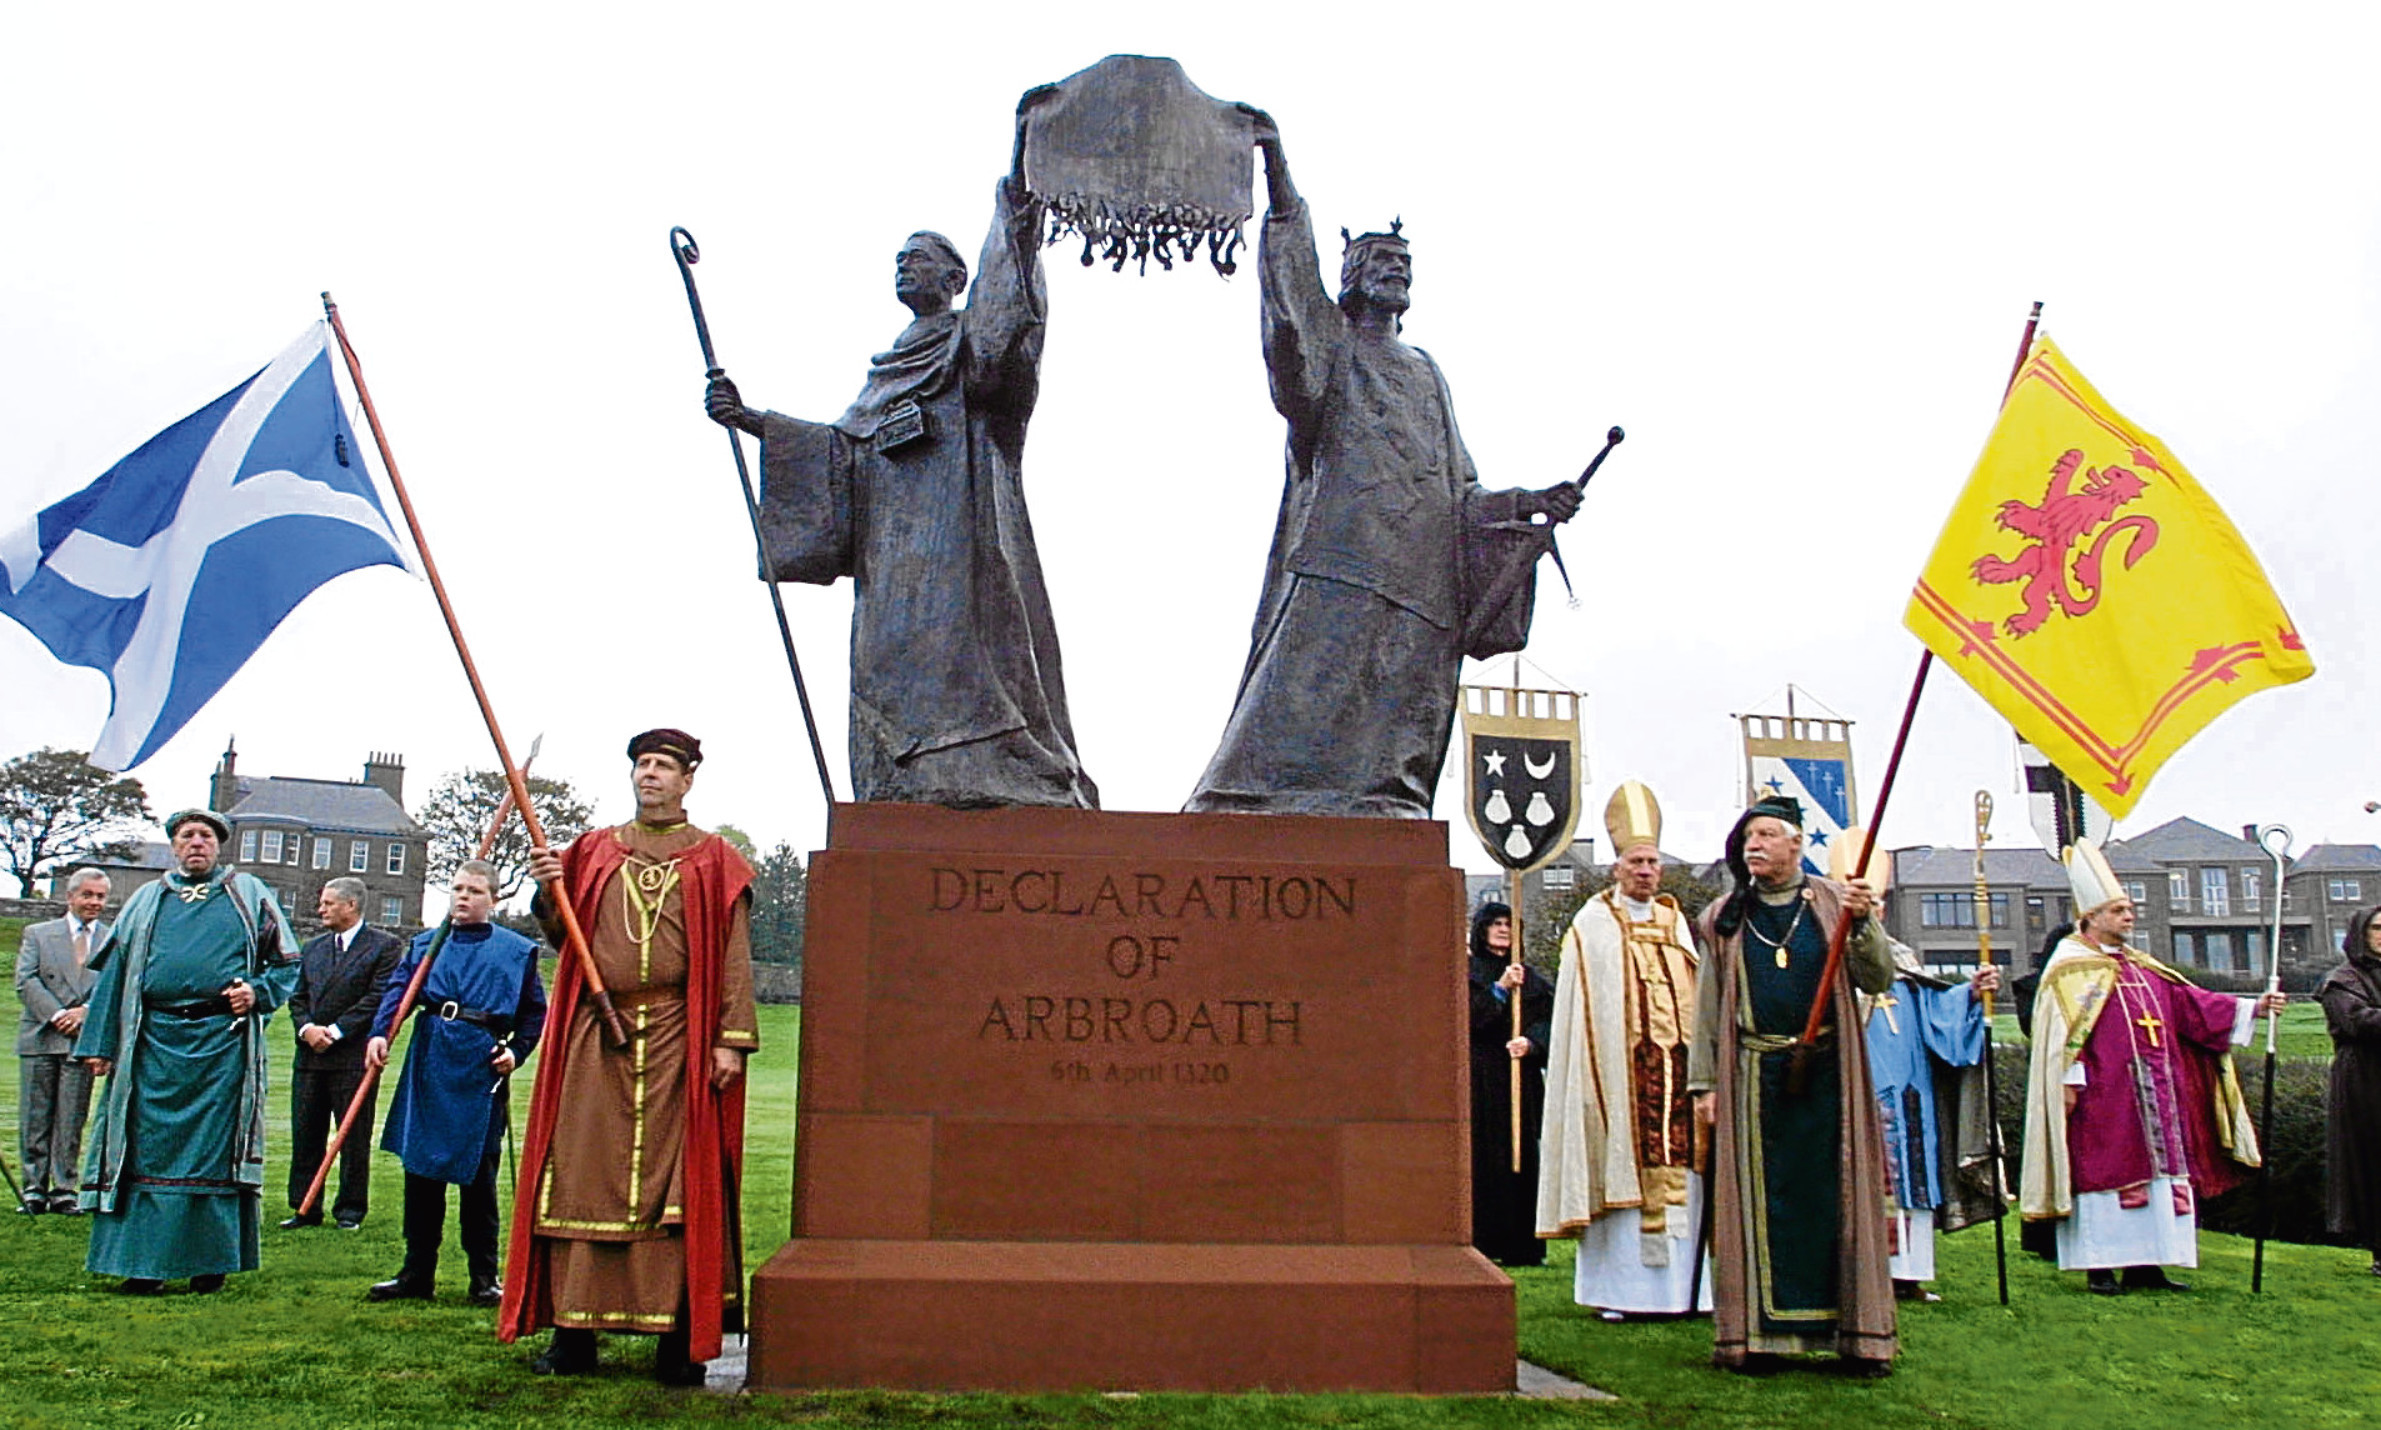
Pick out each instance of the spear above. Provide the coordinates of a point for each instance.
(574, 939)
(405, 1004)
(2265, 1118)
(682, 248)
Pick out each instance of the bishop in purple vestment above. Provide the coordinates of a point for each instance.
(2133, 1111)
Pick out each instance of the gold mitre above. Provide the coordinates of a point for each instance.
(2090, 879)
(1632, 817)
(1844, 855)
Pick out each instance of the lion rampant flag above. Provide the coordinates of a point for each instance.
(2090, 590)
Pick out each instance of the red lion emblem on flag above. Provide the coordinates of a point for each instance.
(2062, 520)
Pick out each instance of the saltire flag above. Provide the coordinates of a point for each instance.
(168, 572)
(2093, 593)
(1809, 760)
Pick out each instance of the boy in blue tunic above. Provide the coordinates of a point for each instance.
(481, 1011)
(193, 967)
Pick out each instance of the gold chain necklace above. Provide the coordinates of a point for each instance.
(1801, 907)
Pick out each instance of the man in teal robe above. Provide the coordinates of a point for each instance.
(195, 964)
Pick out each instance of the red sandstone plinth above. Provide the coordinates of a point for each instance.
(1133, 1102)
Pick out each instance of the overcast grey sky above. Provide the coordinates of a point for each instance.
(1790, 248)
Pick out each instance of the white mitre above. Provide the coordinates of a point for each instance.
(2090, 879)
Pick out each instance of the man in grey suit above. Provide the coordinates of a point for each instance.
(340, 978)
(54, 1090)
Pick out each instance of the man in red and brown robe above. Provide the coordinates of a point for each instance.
(627, 1218)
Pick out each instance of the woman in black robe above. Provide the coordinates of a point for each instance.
(1505, 1202)
(2351, 998)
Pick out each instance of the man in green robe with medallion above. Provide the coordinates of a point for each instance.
(195, 964)
(1799, 1244)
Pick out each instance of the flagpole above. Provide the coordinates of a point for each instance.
(1797, 1072)
(574, 939)
(1513, 882)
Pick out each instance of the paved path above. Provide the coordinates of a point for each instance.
(1531, 1382)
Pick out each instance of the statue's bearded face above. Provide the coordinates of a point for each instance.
(924, 280)
(1384, 277)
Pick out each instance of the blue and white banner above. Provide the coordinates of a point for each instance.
(1810, 761)
(168, 572)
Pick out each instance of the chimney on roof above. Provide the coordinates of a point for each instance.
(388, 773)
(226, 790)
(2249, 832)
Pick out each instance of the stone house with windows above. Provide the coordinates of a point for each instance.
(2325, 887)
(2203, 901)
(1931, 905)
(298, 834)
(2219, 900)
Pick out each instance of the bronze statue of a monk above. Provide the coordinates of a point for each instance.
(914, 493)
(1390, 562)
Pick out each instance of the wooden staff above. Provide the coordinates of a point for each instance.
(1513, 882)
(574, 940)
(405, 1003)
(1992, 1108)
(1798, 1071)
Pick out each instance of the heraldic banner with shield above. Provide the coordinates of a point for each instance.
(1806, 759)
(1521, 772)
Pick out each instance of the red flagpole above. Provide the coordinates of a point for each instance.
(574, 939)
(1876, 819)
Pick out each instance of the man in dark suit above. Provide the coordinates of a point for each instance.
(340, 978)
(54, 1090)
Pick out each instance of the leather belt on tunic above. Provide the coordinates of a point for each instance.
(215, 1007)
(647, 998)
(453, 1012)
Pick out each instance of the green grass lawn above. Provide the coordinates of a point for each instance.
(295, 1345)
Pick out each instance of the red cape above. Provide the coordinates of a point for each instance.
(713, 876)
